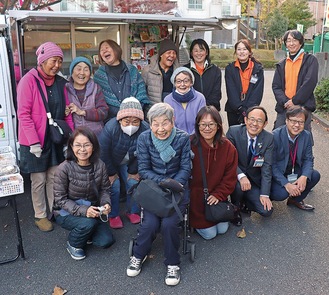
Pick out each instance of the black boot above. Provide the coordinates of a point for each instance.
(237, 220)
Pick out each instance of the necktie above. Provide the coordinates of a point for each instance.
(250, 149)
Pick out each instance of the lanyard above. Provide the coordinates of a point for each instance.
(293, 156)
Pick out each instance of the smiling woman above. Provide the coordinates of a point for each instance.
(244, 79)
(87, 104)
(39, 155)
(117, 79)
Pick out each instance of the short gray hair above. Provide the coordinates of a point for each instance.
(160, 109)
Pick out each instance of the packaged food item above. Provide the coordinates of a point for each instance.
(8, 169)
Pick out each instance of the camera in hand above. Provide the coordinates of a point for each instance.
(101, 209)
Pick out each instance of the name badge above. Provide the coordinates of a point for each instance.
(292, 177)
(254, 79)
(259, 161)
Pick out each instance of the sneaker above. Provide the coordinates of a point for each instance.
(116, 222)
(133, 218)
(43, 224)
(76, 253)
(135, 266)
(173, 275)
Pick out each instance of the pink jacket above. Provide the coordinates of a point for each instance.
(31, 112)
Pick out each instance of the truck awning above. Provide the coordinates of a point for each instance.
(82, 18)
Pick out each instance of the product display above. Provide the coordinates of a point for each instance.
(144, 40)
(11, 182)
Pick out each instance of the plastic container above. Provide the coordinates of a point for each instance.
(11, 184)
(5, 149)
(7, 159)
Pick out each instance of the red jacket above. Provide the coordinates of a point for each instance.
(220, 165)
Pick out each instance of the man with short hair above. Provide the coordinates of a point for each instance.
(295, 79)
(254, 173)
(292, 167)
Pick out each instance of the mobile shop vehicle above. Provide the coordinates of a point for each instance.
(139, 35)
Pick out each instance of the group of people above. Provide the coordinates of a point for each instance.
(157, 125)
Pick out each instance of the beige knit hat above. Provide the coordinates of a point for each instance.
(130, 107)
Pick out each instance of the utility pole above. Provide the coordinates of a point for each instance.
(257, 23)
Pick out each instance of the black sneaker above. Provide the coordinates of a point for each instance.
(76, 253)
(173, 275)
(135, 266)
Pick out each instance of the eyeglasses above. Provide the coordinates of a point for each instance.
(211, 125)
(82, 146)
(255, 121)
(185, 81)
(292, 41)
(294, 122)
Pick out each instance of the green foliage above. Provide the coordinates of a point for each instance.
(188, 40)
(321, 94)
(276, 25)
(298, 12)
(222, 57)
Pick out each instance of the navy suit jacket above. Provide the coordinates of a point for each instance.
(261, 176)
(281, 154)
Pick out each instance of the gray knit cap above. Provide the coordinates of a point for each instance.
(179, 70)
(130, 107)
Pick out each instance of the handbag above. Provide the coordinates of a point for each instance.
(59, 130)
(223, 211)
(160, 201)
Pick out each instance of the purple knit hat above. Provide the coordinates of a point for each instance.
(48, 50)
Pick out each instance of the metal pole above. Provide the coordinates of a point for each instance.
(324, 21)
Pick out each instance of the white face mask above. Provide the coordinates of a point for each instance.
(130, 129)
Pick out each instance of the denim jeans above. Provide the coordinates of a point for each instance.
(211, 232)
(83, 229)
(131, 205)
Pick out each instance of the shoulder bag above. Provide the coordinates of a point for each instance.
(160, 201)
(59, 130)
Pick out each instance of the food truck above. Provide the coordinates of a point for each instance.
(78, 33)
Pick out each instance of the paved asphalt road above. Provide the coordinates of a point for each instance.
(286, 254)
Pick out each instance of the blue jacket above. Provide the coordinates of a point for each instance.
(304, 159)
(115, 144)
(151, 166)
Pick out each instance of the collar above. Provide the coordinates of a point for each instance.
(193, 65)
(299, 53)
(248, 136)
(293, 140)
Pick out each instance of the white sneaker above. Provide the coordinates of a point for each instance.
(173, 275)
(135, 266)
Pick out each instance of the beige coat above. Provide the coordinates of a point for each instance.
(153, 79)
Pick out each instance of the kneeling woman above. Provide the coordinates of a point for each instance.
(81, 185)
(220, 160)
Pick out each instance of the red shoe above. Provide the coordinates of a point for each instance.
(133, 218)
(116, 222)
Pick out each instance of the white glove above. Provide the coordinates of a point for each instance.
(36, 149)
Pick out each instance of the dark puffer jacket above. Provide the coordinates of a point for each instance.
(73, 182)
(151, 166)
(115, 144)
